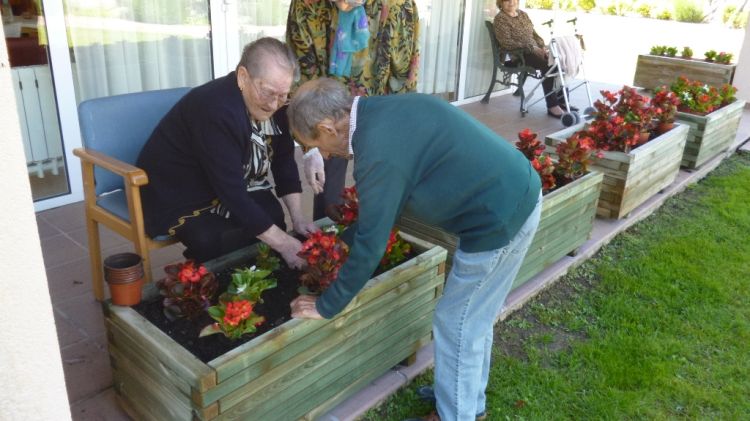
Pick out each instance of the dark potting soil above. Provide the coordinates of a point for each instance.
(275, 308)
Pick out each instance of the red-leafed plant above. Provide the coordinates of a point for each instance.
(234, 314)
(396, 251)
(324, 253)
(529, 144)
(622, 121)
(665, 103)
(187, 289)
(545, 166)
(574, 157)
(346, 213)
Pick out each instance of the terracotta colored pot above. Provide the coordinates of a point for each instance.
(124, 274)
(664, 127)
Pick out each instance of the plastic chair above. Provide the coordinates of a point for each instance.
(510, 63)
(114, 130)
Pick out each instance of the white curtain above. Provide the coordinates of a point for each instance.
(262, 18)
(122, 46)
(480, 60)
(439, 29)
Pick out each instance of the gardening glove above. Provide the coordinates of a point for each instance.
(314, 170)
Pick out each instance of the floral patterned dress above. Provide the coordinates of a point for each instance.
(389, 64)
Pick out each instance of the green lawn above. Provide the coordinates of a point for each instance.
(655, 326)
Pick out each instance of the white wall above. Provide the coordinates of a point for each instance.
(742, 72)
(33, 385)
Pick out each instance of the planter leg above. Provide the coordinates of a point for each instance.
(574, 253)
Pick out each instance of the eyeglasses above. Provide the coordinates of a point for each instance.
(268, 95)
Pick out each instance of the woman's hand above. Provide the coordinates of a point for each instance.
(284, 244)
(303, 307)
(305, 228)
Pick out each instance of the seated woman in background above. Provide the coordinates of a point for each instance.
(514, 30)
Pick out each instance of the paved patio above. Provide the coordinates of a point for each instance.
(79, 319)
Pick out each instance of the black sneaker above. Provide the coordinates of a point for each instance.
(427, 394)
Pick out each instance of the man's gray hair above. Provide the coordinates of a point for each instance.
(315, 101)
(257, 55)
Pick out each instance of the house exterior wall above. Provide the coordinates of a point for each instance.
(34, 385)
(742, 73)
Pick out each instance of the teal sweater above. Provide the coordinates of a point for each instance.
(419, 155)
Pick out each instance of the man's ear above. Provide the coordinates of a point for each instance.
(326, 126)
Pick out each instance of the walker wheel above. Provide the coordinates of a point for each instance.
(568, 119)
(588, 113)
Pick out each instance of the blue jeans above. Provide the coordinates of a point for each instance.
(474, 294)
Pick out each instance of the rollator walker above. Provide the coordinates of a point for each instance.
(556, 71)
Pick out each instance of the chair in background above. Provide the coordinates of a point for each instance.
(512, 67)
(114, 130)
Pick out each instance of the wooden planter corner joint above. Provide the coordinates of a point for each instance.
(566, 223)
(632, 178)
(654, 71)
(300, 369)
(710, 134)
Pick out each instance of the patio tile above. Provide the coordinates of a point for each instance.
(85, 313)
(70, 279)
(66, 218)
(87, 370)
(67, 333)
(100, 407)
(45, 229)
(60, 249)
(107, 237)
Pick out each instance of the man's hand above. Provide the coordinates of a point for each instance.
(314, 170)
(303, 307)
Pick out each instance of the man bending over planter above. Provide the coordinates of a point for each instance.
(419, 155)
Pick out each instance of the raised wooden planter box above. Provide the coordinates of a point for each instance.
(710, 134)
(300, 369)
(631, 178)
(654, 71)
(566, 222)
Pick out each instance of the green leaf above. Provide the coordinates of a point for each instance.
(211, 329)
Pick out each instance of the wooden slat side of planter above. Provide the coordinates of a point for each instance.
(239, 358)
(149, 395)
(162, 348)
(300, 351)
(314, 382)
(369, 376)
(654, 71)
(566, 223)
(655, 166)
(131, 350)
(640, 174)
(567, 212)
(710, 134)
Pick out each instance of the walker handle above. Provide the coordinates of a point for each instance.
(548, 23)
(573, 21)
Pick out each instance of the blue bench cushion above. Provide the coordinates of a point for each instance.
(117, 203)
